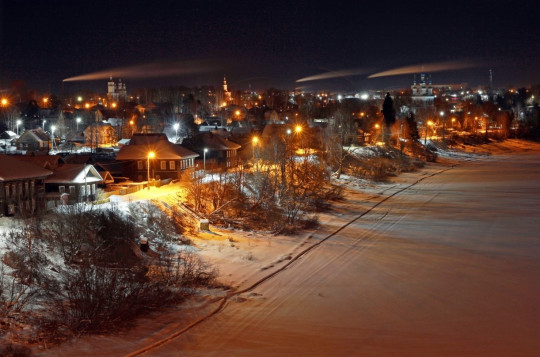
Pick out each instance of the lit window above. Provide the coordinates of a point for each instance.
(163, 164)
(172, 165)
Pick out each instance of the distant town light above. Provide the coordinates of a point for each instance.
(364, 96)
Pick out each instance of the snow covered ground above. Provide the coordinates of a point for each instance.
(444, 261)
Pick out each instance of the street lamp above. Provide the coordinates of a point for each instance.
(204, 159)
(19, 122)
(151, 155)
(176, 126)
(53, 128)
(377, 127)
(254, 142)
(443, 123)
(78, 120)
(43, 125)
(429, 123)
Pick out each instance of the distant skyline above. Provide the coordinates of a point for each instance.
(266, 44)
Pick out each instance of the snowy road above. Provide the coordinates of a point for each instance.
(450, 266)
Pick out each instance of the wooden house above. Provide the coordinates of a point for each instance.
(216, 150)
(34, 140)
(72, 183)
(22, 189)
(153, 156)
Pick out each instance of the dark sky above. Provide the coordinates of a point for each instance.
(267, 43)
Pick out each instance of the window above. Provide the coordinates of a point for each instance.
(163, 164)
(7, 191)
(172, 165)
(83, 190)
(139, 165)
(62, 189)
(72, 190)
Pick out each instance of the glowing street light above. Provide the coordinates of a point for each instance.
(298, 129)
(19, 122)
(43, 125)
(254, 142)
(429, 123)
(377, 127)
(53, 128)
(78, 120)
(176, 126)
(443, 123)
(204, 158)
(151, 155)
(4, 102)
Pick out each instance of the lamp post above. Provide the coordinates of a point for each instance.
(53, 128)
(204, 159)
(377, 126)
(78, 120)
(254, 142)
(176, 126)
(151, 155)
(43, 125)
(19, 122)
(429, 122)
(443, 123)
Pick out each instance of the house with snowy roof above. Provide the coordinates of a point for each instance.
(34, 140)
(216, 150)
(72, 183)
(153, 155)
(22, 189)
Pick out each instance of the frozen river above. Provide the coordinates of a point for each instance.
(446, 262)
(448, 266)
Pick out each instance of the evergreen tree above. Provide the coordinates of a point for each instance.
(388, 111)
(412, 128)
(389, 115)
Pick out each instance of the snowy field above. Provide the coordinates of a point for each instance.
(444, 261)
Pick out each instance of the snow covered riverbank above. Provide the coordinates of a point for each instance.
(443, 261)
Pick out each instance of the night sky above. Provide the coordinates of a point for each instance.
(267, 43)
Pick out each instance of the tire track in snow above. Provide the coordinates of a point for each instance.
(223, 300)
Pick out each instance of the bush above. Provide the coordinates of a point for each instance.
(12, 350)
